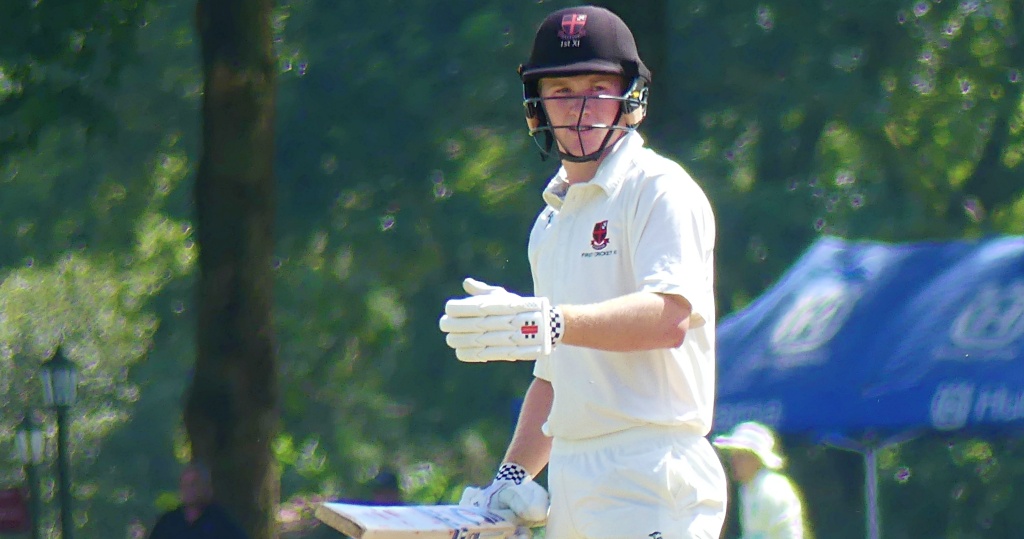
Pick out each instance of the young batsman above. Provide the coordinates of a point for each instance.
(622, 322)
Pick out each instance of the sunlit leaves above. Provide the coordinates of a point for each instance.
(88, 248)
(1011, 216)
(842, 155)
(430, 482)
(307, 458)
(486, 174)
(89, 306)
(974, 479)
(164, 244)
(385, 310)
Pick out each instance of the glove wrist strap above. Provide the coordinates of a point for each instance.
(513, 472)
(557, 325)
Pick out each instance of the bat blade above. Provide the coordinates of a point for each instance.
(414, 521)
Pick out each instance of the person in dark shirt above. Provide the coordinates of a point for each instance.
(386, 489)
(198, 516)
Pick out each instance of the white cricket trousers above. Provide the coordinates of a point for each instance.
(648, 482)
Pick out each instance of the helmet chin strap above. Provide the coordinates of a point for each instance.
(549, 144)
(594, 156)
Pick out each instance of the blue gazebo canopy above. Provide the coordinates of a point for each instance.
(867, 337)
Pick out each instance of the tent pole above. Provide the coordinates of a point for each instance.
(871, 492)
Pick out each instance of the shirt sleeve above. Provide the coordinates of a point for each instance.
(673, 241)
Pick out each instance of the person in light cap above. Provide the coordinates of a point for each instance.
(770, 506)
(621, 323)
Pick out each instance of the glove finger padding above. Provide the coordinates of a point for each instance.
(494, 304)
(521, 322)
(528, 501)
(498, 353)
(474, 287)
(520, 329)
(490, 338)
(526, 504)
(473, 496)
(479, 497)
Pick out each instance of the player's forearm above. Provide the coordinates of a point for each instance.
(530, 448)
(640, 321)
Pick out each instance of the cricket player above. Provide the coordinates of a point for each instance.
(770, 506)
(621, 325)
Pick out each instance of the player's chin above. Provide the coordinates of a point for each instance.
(583, 142)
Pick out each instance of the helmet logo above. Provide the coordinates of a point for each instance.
(572, 29)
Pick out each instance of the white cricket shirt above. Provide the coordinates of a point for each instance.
(770, 508)
(641, 224)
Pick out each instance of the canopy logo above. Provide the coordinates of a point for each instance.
(993, 320)
(999, 405)
(813, 320)
(951, 405)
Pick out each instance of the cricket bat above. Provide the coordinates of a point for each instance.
(414, 521)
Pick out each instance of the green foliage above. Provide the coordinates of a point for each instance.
(403, 166)
(54, 56)
(969, 484)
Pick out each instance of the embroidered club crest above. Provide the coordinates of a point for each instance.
(573, 26)
(600, 238)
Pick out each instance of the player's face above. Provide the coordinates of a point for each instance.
(744, 465)
(579, 117)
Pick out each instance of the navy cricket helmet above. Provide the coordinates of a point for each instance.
(578, 41)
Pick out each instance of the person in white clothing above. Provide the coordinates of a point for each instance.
(770, 506)
(621, 323)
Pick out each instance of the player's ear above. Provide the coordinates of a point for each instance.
(634, 104)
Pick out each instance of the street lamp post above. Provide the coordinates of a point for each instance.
(29, 440)
(60, 378)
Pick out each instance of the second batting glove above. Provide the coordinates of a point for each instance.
(514, 495)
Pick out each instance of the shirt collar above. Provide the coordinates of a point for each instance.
(609, 175)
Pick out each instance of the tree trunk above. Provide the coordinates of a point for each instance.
(231, 414)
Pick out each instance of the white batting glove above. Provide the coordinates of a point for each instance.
(515, 496)
(493, 324)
